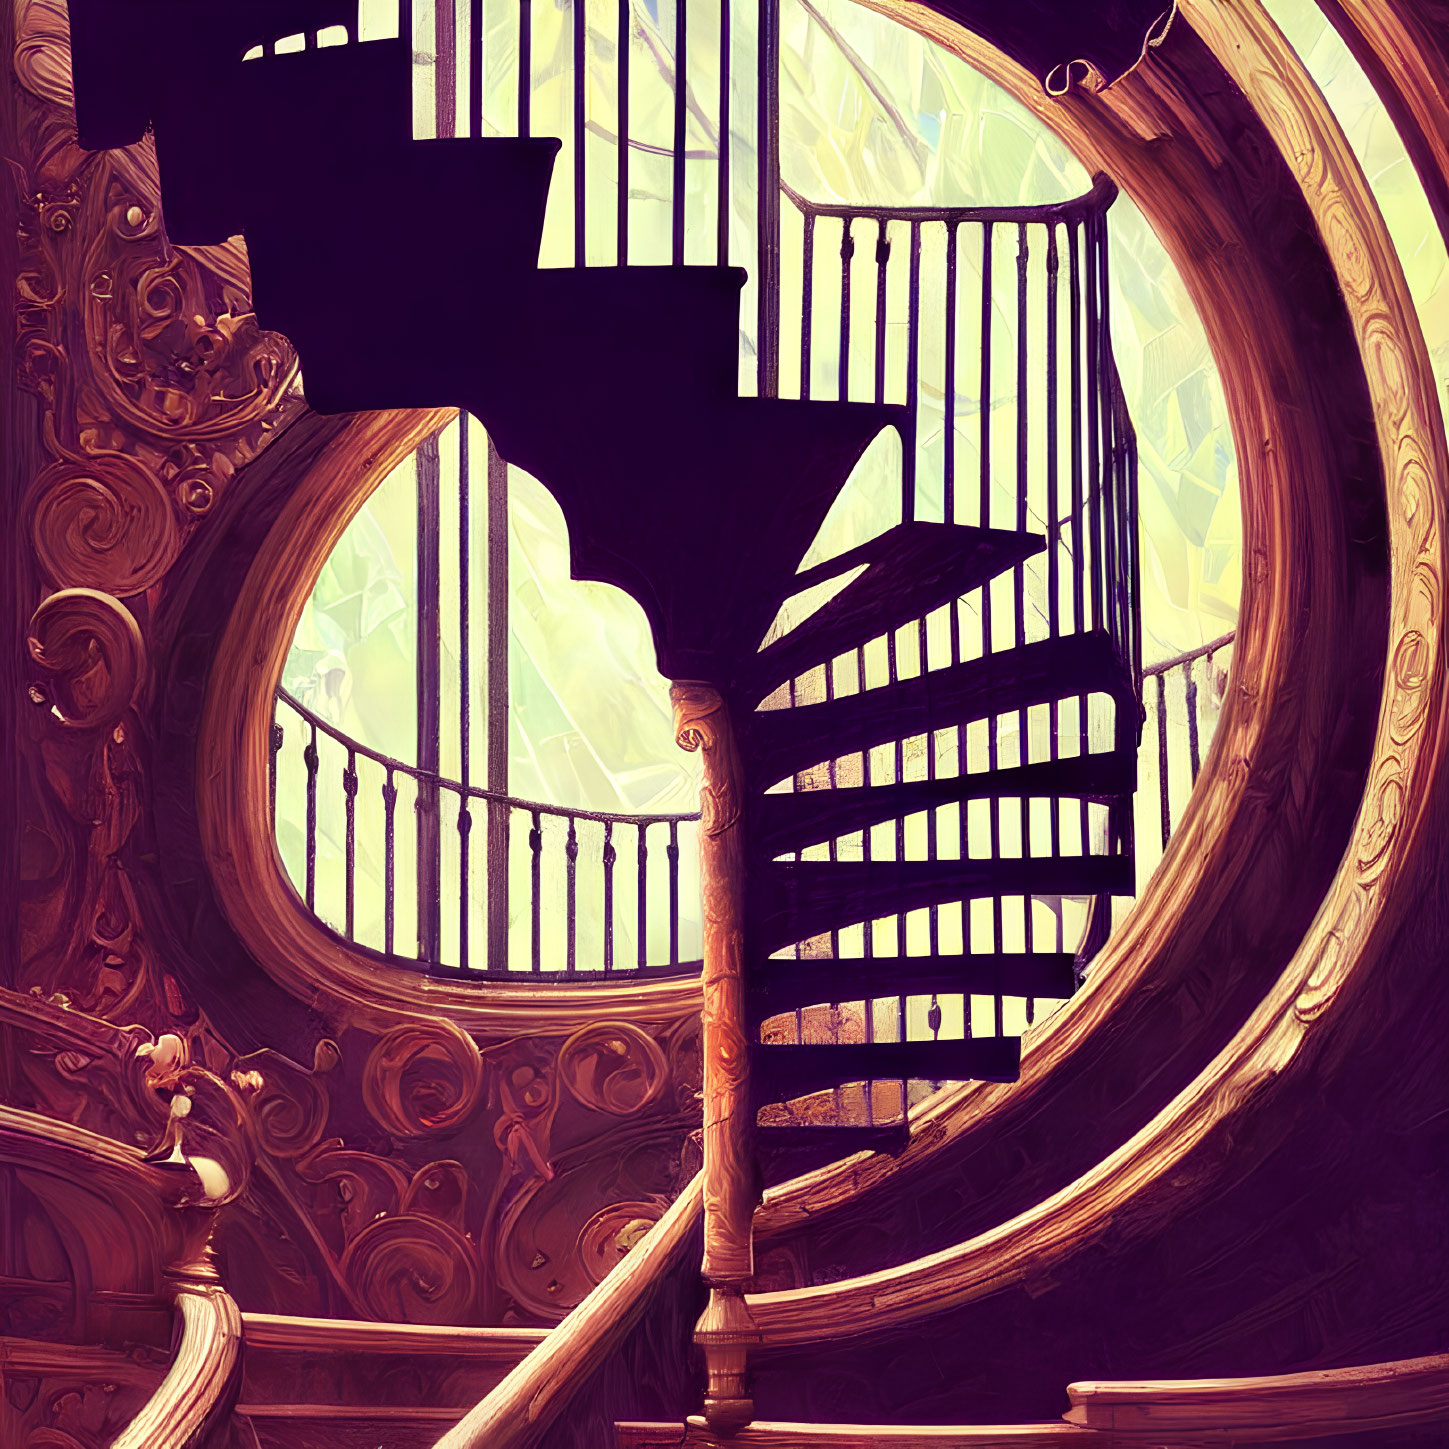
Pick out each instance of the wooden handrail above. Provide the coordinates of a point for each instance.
(204, 1374)
(520, 1408)
(1280, 1407)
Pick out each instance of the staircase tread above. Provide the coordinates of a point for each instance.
(785, 1071)
(795, 820)
(798, 900)
(780, 743)
(910, 570)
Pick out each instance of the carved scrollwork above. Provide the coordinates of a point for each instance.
(701, 723)
(290, 1106)
(423, 1077)
(353, 1189)
(614, 1231)
(105, 522)
(613, 1067)
(91, 656)
(413, 1269)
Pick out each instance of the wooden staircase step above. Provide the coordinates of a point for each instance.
(769, 1435)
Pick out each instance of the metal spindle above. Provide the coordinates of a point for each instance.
(672, 851)
(1054, 543)
(389, 851)
(1094, 441)
(525, 67)
(847, 252)
(275, 740)
(948, 441)
(643, 894)
(1190, 692)
(681, 124)
(475, 69)
(913, 385)
(807, 304)
(571, 870)
(535, 846)
(581, 84)
(626, 41)
(722, 243)
(882, 262)
(465, 831)
(349, 791)
(311, 759)
(1162, 777)
(609, 858)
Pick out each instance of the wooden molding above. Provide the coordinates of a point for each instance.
(290, 1334)
(1385, 866)
(251, 885)
(763, 1435)
(1267, 1410)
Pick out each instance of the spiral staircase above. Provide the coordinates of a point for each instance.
(698, 502)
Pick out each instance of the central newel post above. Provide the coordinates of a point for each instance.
(726, 1330)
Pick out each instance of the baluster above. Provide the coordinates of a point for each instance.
(465, 831)
(882, 262)
(311, 759)
(913, 384)
(643, 893)
(1162, 779)
(277, 736)
(609, 857)
(672, 851)
(985, 403)
(349, 790)
(948, 387)
(1094, 440)
(1190, 690)
(767, 192)
(1023, 487)
(571, 868)
(681, 127)
(535, 846)
(445, 72)
(722, 243)
(525, 67)
(1054, 553)
(581, 84)
(475, 69)
(498, 851)
(1079, 623)
(847, 253)
(626, 40)
(807, 303)
(389, 808)
(1116, 624)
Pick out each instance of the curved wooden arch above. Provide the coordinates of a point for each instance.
(1349, 946)
(246, 871)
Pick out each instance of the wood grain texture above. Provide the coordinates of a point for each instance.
(1403, 46)
(311, 963)
(203, 1377)
(522, 1407)
(1264, 831)
(1267, 1410)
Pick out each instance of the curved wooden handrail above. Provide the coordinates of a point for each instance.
(203, 1376)
(515, 1413)
(1270, 1409)
(291, 1333)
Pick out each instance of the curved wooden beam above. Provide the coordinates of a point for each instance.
(251, 886)
(1403, 46)
(1387, 866)
(203, 1377)
(518, 1411)
(1270, 1409)
(1258, 845)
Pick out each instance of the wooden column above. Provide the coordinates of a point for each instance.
(726, 1330)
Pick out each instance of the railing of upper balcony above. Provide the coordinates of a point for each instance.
(546, 890)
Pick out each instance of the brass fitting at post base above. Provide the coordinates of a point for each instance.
(726, 1332)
